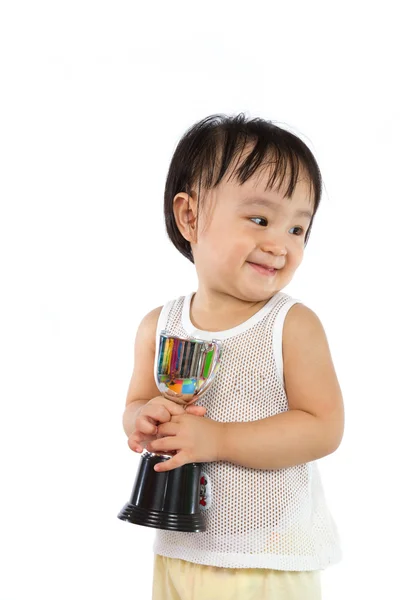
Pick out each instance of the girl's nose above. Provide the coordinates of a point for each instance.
(274, 246)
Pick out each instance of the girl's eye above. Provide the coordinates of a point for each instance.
(300, 230)
(265, 222)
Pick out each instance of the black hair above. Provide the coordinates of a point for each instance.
(214, 142)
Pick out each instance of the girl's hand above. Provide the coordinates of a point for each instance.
(158, 410)
(195, 439)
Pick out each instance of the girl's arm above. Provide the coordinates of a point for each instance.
(313, 426)
(142, 386)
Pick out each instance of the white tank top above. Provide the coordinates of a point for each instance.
(254, 518)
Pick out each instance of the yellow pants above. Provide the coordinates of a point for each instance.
(176, 579)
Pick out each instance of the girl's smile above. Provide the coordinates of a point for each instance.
(263, 270)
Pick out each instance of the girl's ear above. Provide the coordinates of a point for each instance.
(185, 213)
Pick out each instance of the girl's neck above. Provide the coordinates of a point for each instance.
(219, 312)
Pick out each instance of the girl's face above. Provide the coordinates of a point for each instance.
(242, 226)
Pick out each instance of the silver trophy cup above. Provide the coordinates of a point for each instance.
(170, 500)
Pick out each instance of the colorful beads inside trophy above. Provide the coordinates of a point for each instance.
(184, 365)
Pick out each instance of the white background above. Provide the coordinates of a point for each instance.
(94, 98)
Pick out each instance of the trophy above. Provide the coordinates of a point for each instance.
(170, 499)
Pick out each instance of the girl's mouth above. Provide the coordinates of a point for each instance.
(263, 270)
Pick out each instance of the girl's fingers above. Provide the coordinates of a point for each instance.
(165, 444)
(138, 441)
(196, 410)
(177, 460)
(157, 413)
(144, 426)
(167, 429)
(133, 442)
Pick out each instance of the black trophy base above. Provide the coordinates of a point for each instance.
(168, 500)
(160, 520)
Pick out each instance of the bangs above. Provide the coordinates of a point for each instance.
(279, 166)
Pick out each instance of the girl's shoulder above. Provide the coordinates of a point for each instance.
(309, 374)
(302, 329)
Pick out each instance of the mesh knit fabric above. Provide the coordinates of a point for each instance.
(276, 519)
